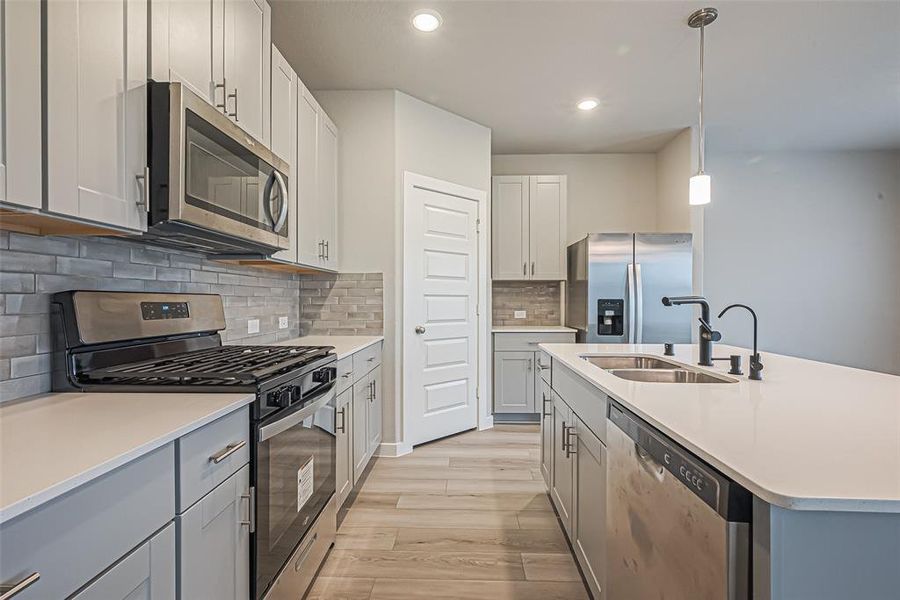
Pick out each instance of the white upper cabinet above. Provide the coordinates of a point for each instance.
(317, 184)
(283, 138)
(509, 227)
(528, 225)
(97, 111)
(20, 99)
(547, 238)
(248, 43)
(221, 50)
(328, 189)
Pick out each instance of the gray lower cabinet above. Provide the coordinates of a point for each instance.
(514, 382)
(561, 489)
(360, 427)
(546, 432)
(214, 543)
(147, 573)
(344, 454)
(374, 408)
(588, 534)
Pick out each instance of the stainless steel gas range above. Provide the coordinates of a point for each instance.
(147, 342)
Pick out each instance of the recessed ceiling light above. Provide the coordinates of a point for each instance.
(588, 104)
(426, 20)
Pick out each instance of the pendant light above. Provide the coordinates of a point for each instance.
(699, 191)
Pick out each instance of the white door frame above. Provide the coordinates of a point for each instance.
(483, 325)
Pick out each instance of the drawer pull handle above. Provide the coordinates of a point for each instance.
(343, 427)
(370, 359)
(226, 452)
(11, 590)
(346, 375)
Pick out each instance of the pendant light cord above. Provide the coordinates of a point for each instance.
(702, 135)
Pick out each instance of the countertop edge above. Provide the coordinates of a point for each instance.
(20, 507)
(345, 353)
(785, 501)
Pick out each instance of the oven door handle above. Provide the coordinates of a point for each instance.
(285, 423)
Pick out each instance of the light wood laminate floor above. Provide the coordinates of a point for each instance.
(461, 518)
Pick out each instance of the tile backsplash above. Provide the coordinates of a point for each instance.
(33, 267)
(539, 299)
(342, 304)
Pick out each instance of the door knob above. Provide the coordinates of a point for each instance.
(420, 330)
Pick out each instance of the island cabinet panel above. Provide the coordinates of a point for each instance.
(588, 402)
(561, 489)
(214, 542)
(546, 432)
(360, 427)
(588, 535)
(75, 537)
(147, 573)
(374, 408)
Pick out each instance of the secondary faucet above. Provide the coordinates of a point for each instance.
(756, 365)
(708, 335)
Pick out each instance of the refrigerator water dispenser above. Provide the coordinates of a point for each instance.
(610, 316)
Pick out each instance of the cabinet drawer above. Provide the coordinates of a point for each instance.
(543, 365)
(525, 342)
(73, 538)
(344, 374)
(587, 401)
(198, 471)
(365, 360)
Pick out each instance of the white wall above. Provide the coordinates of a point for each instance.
(382, 134)
(812, 242)
(607, 192)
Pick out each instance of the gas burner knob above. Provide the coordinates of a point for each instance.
(280, 398)
(296, 392)
(324, 375)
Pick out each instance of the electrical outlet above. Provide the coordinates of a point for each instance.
(253, 326)
(519, 314)
(282, 322)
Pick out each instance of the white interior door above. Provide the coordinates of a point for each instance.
(440, 338)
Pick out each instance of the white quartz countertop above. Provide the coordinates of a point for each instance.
(344, 345)
(533, 329)
(52, 443)
(810, 436)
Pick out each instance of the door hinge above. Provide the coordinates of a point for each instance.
(477, 393)
(477, 225)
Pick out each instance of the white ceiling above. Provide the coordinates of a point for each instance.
(780, 75)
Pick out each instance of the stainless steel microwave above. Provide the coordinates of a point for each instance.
(212, 188)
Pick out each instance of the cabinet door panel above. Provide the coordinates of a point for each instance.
(545, 402)
(247, 52)
(147, 573)
(547, 227)
(360, 427)
(344, 455)
(513, 382)
(589, 507)
(374, 417)
(561, 490)
(308, 237)
(214, 542)
(327, 156)
(510, 228)
(283, 138)
(187, 42)
(96, 110)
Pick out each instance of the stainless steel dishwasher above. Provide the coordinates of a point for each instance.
(677, 529)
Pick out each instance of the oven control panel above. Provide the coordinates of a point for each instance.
(155, 311)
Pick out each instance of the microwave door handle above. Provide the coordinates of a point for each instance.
(283, 214)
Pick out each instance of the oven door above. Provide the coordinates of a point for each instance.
(218, 178)
(295, 479)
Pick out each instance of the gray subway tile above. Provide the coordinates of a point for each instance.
(27, 262)
(16, 282)
(83, 266)
(43, 244)
(23, 366)
(133, 271)
(146, 256)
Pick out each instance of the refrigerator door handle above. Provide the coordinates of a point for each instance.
(638, 305)
(630, 302)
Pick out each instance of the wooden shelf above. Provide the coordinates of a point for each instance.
(40, 224)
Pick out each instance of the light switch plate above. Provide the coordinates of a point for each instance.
(282, 322)
(519, 314)
(253, 326)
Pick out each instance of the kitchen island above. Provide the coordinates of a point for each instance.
(817, 446)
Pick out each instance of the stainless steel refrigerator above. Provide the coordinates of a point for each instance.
(616, 282)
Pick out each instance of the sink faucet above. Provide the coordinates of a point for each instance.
(708, 335)
(756, 365)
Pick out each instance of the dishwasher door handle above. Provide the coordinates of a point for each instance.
(649, 464)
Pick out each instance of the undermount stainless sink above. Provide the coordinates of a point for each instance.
(669, 376)
(631, 362)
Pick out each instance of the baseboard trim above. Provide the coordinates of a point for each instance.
(486, 423)
(394, 449)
